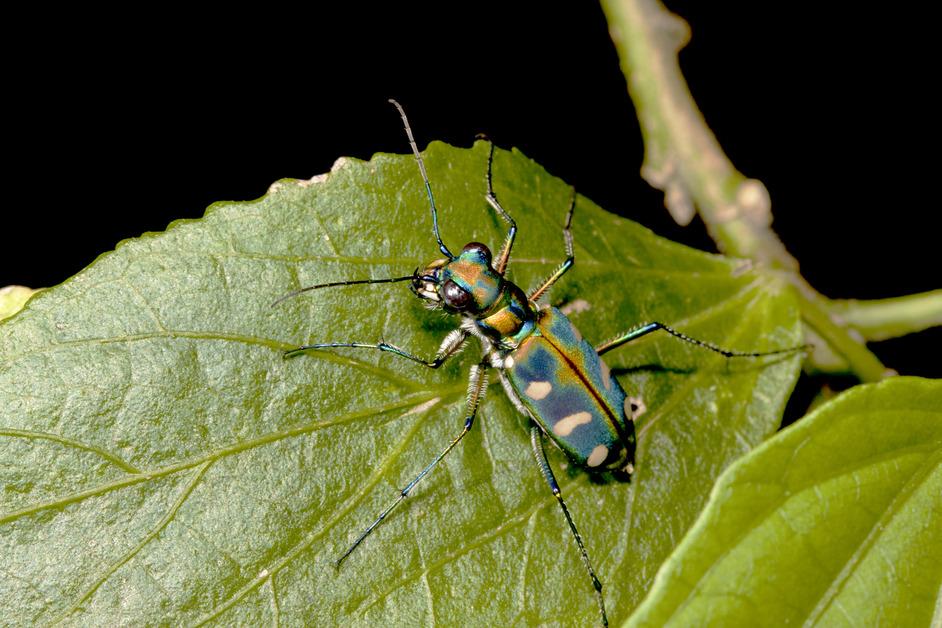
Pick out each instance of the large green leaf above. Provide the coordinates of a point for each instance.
(161, 462)
(835, 521)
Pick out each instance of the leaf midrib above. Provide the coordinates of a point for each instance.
(880, 524)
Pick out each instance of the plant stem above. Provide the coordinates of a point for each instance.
(682, 156)
(890, 318)
(844, 342)
(684, 159)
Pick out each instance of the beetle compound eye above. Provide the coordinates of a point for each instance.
(480, 249)
(455, 296)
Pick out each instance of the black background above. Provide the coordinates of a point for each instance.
(117, 124)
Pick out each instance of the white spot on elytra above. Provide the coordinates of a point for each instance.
(597, 457)
(538, 390)
(508, 362)
(565, 426)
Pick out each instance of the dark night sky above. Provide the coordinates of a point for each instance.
(114, 131)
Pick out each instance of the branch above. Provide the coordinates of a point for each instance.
(684, 159)
(891, 318)
(682, 156)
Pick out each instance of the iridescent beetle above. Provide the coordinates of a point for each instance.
(549, 372)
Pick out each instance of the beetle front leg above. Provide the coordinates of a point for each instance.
(451, 345)
(500, 264)
(570, 255)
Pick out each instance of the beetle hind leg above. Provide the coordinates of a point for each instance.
(539, 454)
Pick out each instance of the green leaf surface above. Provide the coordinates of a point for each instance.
(160, 462)
(833, 522)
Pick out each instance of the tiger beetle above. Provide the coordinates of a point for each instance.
(551, 375)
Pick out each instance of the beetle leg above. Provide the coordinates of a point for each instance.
(477, 385)
(500, 265)
(570, 257)
(647, 328)
(539, 454)
(451, 345)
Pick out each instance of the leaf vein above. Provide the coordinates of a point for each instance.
(148, 475)
(525, 562)
(224, 337)
(678, 394)
(155, 531)
(275, 606)
(472, 543)
(879, 525)
(147, 305)
(776, 504)
(339, 513)
(68, 442)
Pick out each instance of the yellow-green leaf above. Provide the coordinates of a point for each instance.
(12, 299)
(835, 522)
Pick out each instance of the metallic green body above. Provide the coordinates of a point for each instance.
(569, 392)
(556, 377)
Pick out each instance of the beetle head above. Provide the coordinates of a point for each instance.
(464, 285)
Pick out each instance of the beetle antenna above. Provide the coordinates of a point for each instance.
(428, 186)
(341, 283)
